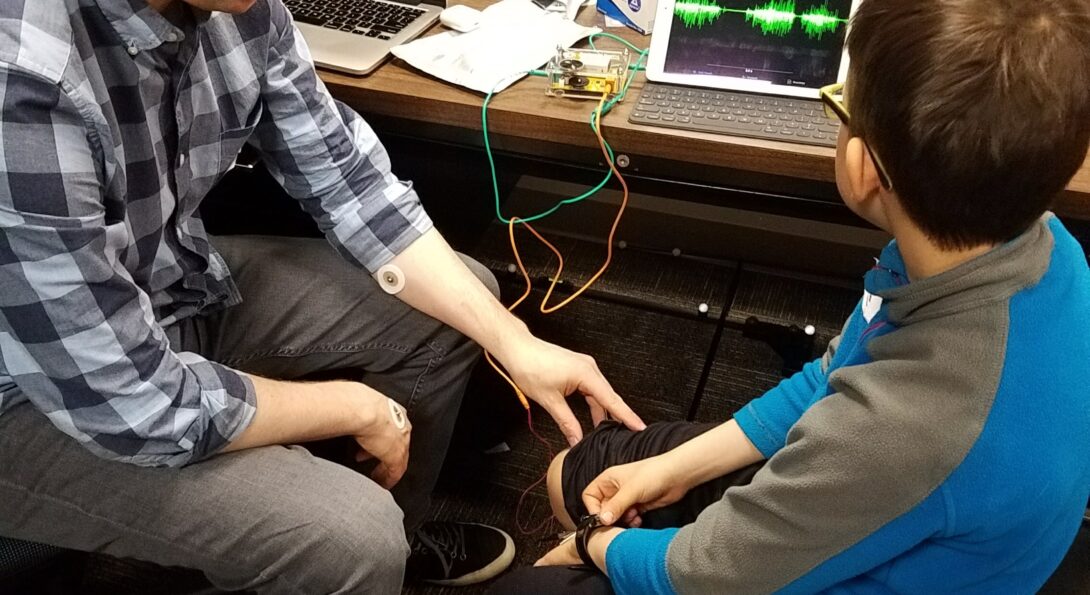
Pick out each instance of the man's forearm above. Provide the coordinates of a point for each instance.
(439, 284)
(294, 412)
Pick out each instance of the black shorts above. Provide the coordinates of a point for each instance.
(611, 444)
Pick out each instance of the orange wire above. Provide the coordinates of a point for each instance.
(544, 308)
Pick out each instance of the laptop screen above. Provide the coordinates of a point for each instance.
(751, 44)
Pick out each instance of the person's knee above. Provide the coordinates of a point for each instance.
(555, 483)
(364, 551)
(483, 274)
(352, 542)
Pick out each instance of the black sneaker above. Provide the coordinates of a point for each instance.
(458, 554)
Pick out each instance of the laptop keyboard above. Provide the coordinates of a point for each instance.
(739, 114)
(369, 18)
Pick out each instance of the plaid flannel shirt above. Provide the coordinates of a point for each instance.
(114, 124)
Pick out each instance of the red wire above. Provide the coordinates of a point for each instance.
(518, 509)
(546, 309)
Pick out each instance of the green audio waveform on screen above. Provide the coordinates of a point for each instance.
(697, 13)
(777, 17)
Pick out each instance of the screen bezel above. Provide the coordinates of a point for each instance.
(660, 42)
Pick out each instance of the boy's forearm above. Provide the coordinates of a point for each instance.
(294, 412)
(713, 454)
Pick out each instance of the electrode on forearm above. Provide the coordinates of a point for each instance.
(391, 279)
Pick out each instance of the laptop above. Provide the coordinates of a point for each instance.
(749, 68)
(355, 36)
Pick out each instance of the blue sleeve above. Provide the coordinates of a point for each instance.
(766, 420)
(636, 562)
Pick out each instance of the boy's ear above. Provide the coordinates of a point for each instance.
(862, 174)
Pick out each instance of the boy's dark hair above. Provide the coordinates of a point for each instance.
(980, 109)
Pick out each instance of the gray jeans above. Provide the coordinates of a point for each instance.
(274, 519)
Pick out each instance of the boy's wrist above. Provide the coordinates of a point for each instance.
(598, 544)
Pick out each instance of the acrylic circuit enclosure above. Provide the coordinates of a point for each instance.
(587, 74)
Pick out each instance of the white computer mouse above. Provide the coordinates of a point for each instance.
(460, 18)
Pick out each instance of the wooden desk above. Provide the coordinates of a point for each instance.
(523, 120)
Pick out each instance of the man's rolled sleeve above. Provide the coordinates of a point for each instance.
(227, 401)
(329, 159)
(78, 337)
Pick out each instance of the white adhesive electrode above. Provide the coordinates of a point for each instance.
(391, 279)
(398, 415)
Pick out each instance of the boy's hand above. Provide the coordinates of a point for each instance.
(548, 373)
(625, 492)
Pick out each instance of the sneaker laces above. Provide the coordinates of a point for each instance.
(446, 539)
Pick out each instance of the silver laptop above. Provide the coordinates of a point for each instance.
(355, 36)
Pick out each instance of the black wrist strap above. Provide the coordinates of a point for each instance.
(583, 530)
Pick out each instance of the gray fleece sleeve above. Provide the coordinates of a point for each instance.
(860, 466)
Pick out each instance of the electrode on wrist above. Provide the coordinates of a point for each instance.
(391, 279)
(398, 415)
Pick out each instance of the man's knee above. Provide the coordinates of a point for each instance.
(343, 552)
(486, 277)
(365, 554)
(343, 535)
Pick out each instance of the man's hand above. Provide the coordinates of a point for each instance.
(438, 283)
(547, 374)
(294, 412)
(626, 491)
(384, 435)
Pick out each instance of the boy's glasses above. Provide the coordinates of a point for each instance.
(832, 97)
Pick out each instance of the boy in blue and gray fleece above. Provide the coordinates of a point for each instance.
(942, 444)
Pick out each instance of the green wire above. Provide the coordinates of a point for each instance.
(593, 124)
(638, 65)
(614, 38)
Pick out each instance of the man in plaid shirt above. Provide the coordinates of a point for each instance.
(135, 350)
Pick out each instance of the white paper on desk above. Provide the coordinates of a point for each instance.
(514, 36)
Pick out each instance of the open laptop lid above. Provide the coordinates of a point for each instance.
(778, 47)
